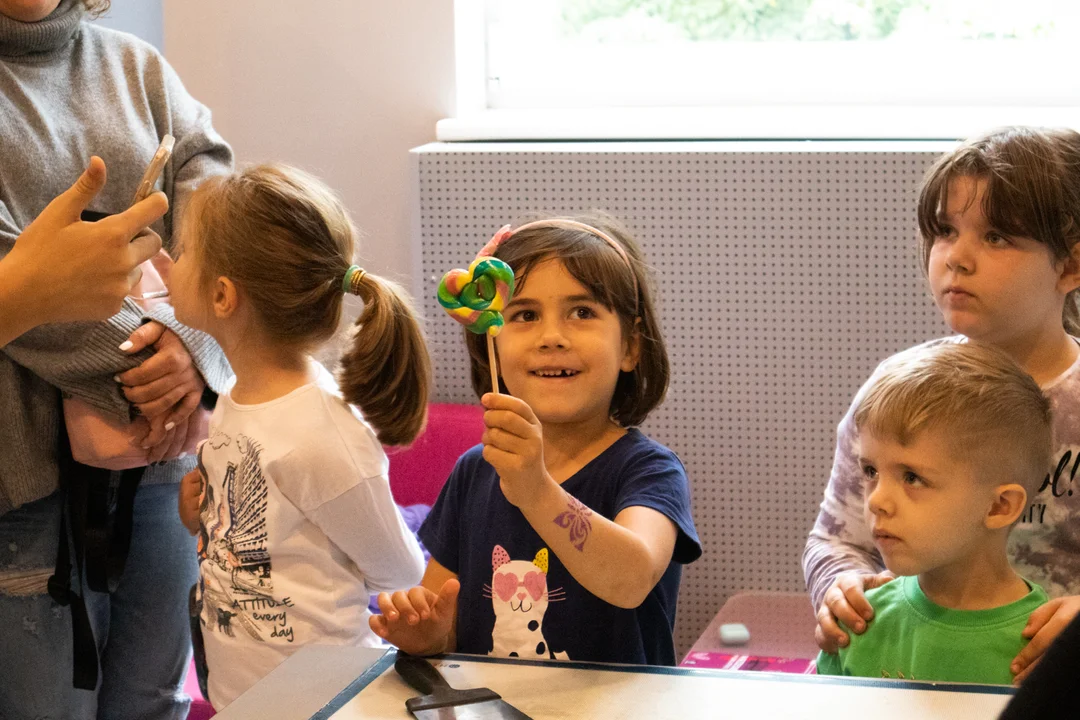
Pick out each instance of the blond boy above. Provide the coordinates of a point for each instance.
(952, 436)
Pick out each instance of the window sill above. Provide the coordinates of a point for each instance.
(877, 122)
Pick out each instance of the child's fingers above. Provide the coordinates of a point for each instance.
(418, 596)
(1023, 674)
(378, 625)
(449, 591)
(840, 606)
(444, 607)
(1040, 617)
(386, 607)
(509, 422)
(491, 401)
(876, 581)
(501, 460)
(855, 610)
(405, 607)
(1042, 639)
(190, 520)
(503, 440)
(828, 634)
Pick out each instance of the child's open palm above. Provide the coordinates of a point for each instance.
(418, 621)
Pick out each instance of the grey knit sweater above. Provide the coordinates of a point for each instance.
(70, 89)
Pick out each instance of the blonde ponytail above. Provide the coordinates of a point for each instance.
(386, 371)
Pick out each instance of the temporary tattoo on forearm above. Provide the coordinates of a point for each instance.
(576, 518)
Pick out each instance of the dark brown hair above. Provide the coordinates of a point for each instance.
(610, 282)
(1032, 190)
(285, 239)
(975, 395)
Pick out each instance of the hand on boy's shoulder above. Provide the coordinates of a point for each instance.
(1043, 627)
(844, 610)
(880, 598)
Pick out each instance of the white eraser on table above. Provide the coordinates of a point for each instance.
(734, 634)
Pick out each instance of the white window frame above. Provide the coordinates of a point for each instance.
(950, 104)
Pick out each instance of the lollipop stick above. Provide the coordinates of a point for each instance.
(491, 364)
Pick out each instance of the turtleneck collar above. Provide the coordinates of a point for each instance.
(44, 36)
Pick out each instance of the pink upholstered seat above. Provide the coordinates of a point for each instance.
(417, 473)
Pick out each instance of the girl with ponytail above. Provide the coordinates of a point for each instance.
(291, 500)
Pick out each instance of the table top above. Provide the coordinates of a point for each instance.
(781, 624)
(345, 683)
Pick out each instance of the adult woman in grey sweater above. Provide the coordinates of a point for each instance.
(72, 89)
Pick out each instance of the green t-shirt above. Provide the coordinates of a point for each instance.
(911, 638)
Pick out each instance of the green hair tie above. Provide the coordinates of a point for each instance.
(352, 279)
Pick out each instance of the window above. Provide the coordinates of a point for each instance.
(581, 54)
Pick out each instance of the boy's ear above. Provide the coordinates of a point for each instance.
(633, 348)
(226, 298)
(1009, 504)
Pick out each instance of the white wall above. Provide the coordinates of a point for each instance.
(341, 88)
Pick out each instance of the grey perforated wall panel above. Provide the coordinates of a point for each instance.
(786, 272)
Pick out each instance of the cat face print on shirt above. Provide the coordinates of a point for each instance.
(520, 596)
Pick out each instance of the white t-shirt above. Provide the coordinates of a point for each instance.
(297, 529)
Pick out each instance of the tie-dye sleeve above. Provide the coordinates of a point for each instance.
(840, 540)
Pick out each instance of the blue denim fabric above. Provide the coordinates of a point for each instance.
(141, 629)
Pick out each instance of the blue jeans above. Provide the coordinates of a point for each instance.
(141, 629)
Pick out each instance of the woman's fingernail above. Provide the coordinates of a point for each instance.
(126, 345)
(170, 425)
(117, 379)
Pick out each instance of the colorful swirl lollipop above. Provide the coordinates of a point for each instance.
(476, 297)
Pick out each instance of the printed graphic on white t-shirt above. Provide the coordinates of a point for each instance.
(236, 592)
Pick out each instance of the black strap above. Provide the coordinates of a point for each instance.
(108, 528)
(72, 525)
(101, 537)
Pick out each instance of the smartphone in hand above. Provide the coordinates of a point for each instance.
(155, 168)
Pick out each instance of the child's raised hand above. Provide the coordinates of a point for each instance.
(418, 621)
(191, 488)
(845, 600)
(514, 445)
(1045, 624)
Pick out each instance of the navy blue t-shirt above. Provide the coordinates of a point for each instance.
(517, 599)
